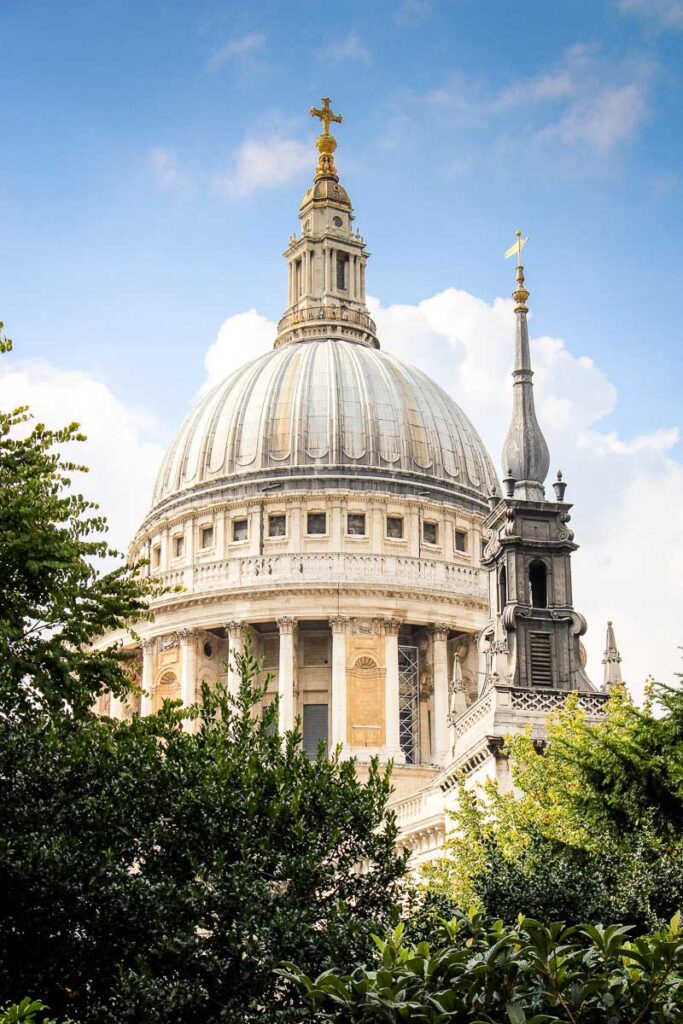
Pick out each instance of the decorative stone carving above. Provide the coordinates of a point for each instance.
(366, 627)
(236, 629)
(391, 626)
(339, 623)
(167, 642)
(440, 631)
(187, 636)
(286, 624)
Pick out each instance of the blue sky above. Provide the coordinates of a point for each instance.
(452, 135)
(154, 155)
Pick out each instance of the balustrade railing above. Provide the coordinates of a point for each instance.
(352, 316)
(333, 568)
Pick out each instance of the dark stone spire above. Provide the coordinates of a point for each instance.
(526, 459)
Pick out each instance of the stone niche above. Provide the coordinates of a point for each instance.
(365, 674)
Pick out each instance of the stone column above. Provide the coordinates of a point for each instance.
(147, 696)
(339, 625)
(392, 739)
(286, 674)
(440, 654)
(235, 631)
(116, 707)
(188, 665)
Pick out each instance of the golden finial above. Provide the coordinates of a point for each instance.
(520, 294)
(326, 143)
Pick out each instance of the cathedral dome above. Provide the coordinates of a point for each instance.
(323, 414)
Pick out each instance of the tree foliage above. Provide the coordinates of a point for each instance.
(152, 871)
(54, 601)
(593, 828)
(489, 973)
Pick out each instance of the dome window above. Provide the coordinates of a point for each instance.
(316, 524)
(355, 524)
(178, 546)
(430, 533)
(156, 556)
(338, 222)
(460, 541)
(207, 536)
(240, 530)
(277, 525)
(395, 527)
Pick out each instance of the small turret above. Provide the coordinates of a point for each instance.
(612, 661)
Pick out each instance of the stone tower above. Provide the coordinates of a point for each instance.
(532, 640)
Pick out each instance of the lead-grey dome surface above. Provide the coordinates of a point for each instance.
(326, 413)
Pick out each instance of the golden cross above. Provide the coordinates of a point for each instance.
(517, 247)
(326, 115)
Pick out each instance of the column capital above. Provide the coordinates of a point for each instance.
(391, 626)
(186, 636)
(440, 630)
(339, 623)
(148, 645)
(236, 629)
(286, 624)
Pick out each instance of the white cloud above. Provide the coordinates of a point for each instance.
(605, 121)
(263, 163)
(164, 166)
(241, 337)
(121, 457)
(244, 46)
(583, 104)
(667, 13)
(628, 513)
(346, 51)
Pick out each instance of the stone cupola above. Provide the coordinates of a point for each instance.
(326, 262)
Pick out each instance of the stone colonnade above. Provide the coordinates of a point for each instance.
(340, 626)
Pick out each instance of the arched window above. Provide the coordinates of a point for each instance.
(538, 582)
(502, 589)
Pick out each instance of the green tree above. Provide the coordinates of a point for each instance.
(480, 972)
(158, 874)
(593, 830)
(151, 872)
(54, 601)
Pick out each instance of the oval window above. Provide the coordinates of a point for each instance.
(338, 222)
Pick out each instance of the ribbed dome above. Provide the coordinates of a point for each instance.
(326, 413)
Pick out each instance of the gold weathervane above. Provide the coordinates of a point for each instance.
(326, 143)
(520, 294)
(517, 247)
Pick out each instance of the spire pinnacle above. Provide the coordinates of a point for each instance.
(612, 661)
(525, 452)
(326, 143)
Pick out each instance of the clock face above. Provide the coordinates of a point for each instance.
(338, 222)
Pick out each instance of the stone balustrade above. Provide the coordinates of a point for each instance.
(307, 570)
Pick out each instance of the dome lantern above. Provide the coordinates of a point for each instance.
(326, 263)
